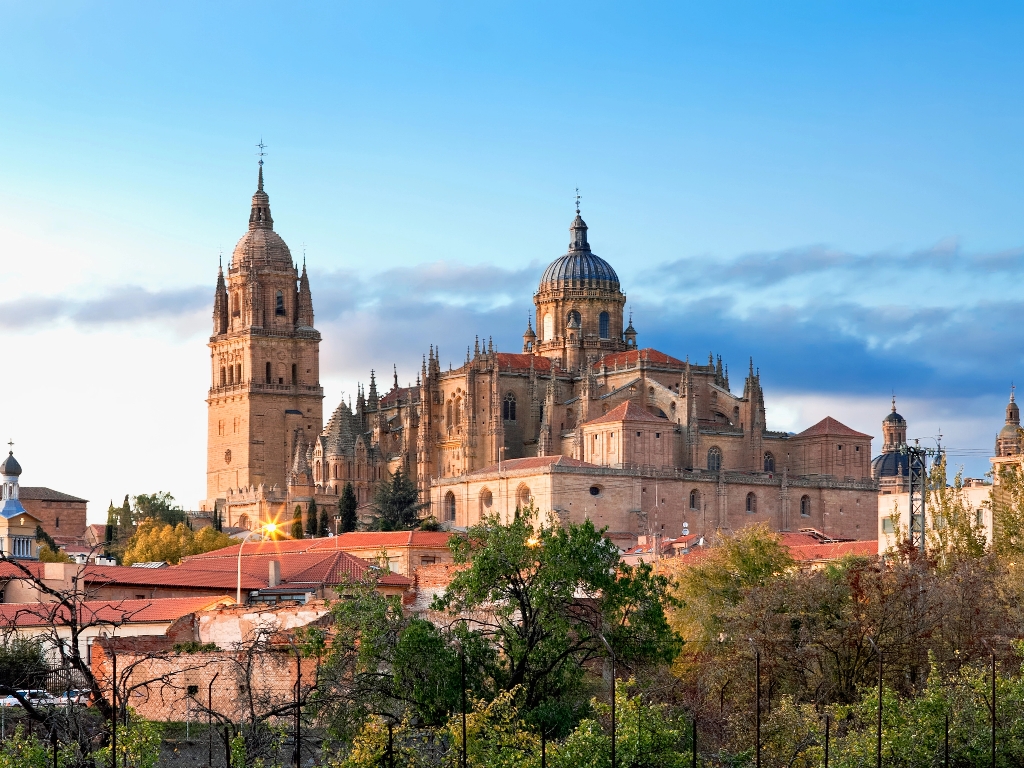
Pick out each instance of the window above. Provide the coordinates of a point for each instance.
(887, 525)
(694, 499)
(279, 304)
(223, 376)
(56, 523)
(595, 490)
(657, 435)
(751, 503)
(523, 496)
(549, 327)
(715, 459)
(979, 517)
(269, 375)
(448, 416)
(486, 500)
(602, 322)
(449, 506)
(805, 506)
(235, 311)
(427, 559)
(769, 462)
(458, 410)
(508, 408)
(295, 374)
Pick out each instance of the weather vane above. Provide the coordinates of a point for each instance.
(261, 147)
(577, 200)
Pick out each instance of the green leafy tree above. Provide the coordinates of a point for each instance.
(22, 664)
(311, 519)
(396, 504)
(1007, 499)
(956, 533)
(324, 526)
(550, 594)
(159, 505)
(347, 506)
(297, 532)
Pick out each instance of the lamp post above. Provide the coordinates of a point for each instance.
(268, 528)
(611, 653)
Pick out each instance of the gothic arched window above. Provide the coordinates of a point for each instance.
(805, 506)
(508, 407)
(279, 304)
(751, 503)
(694, 499)
(769, 462)
(458, 411)
(523, 496)
(715, 459)
(602, 322)
(449, 506)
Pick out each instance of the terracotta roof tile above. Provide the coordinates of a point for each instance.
(628, 411)
(829, 426)
(633, 356)
(519, 362)
(37, 492)
(834, 551)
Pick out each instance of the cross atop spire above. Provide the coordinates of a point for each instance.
(11, 444)
(894, 402)
(577, 201)
(1012, 388)
(262, 152)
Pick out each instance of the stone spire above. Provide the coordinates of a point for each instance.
(395, 367)
(220, 304)
(371, 396)
(259, 216)
(578, 230)
(304, 301)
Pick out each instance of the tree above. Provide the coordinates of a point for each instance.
(347, 506)
(543, 599)
(1008, 513)
(396, 504)
(956, 533)
(156, 541)
(311, 519)
(324, 525)
(297, 523)
(49, 552)
(159, 505)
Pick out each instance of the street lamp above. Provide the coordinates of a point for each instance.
(268, 528)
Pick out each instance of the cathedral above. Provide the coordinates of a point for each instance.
(582, 421)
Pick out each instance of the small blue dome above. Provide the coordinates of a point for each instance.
(890, 465)
(580, 266)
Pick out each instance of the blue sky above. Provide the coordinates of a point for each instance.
(834, 189)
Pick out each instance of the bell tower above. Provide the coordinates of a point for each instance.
(265, 393)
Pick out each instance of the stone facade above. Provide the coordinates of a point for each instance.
(580, 365)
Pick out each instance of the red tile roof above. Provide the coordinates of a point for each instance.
(632, 357)
(517, 362)
(829, 426)
(396, 394)
(628, 411)
(107, 611)
(41, 493)
(834, 551)
(361, 539)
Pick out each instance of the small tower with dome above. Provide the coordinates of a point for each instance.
(579, 305)
(17, 525)
(891, 469)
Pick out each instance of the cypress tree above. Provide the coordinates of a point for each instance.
(347, 505)
(311, 519)
(324, 528)
(297, 523)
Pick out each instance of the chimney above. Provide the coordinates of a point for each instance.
(275, 573)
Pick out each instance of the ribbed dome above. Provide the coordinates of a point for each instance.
(894, 418)
(261, 245)
(890, 465)
(10, 466)
(580, 266)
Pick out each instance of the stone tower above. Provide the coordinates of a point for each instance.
(579, 305)
(894, 430)
(265, 393)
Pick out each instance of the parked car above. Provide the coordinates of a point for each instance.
(35, 696)
(72, 699)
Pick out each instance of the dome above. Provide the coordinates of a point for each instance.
(890, 465)
(10, 467)
(580, 266)
(894, 418)
(261, 245)
(1011, 431)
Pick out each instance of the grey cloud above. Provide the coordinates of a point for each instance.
(118, 305)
